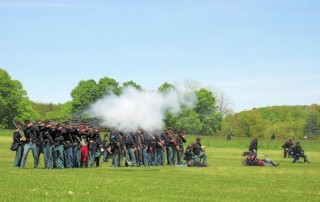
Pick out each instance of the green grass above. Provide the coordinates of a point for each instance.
(224, 180)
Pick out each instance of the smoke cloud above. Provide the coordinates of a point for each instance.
(139, 109)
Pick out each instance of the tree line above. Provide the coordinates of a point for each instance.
(282, 121)
(210, 116)
(204, 118)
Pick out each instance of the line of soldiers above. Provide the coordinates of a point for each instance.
(62, 145)
(143, 148)
(80, 146)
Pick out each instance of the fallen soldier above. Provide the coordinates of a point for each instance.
(252, 160)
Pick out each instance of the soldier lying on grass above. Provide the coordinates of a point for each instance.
(252, 160)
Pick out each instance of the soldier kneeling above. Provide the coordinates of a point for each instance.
(195, 154)
(297, 153)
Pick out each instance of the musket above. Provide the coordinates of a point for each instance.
(151, 147)
(139, 149)
(161, 144)
(173, 140)
(18, 128)
(71, 139)
(50, 138)
(78, 139)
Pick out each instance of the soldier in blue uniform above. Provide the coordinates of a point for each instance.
(299, 152)
(199, 153)
(18, 139)
(30, 132)
(179, 147)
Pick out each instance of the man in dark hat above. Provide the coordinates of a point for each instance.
(105, 148)
(170, 141)
(286, 148)
(59, 147)
(18, 139)
(253, 147)
(297, 153)
(129, 141)
(47, 145)
(199, 153)
(30, 132)
(179, 147)
(189, 154)
(160, 148)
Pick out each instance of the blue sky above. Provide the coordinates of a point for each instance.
(259, 53)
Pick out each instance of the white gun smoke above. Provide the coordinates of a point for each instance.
(136, 109)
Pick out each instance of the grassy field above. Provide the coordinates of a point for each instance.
(226, 179)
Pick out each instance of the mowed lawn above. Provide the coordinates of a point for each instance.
(226, 179)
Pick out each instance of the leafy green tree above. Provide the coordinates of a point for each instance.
(285, 121)
(86, 93)
(108, 85)
(43, 108)
(14, 103)
(166, 87)
(188, 121)
(251, 123)
(27, 112)
(312, 123)
(132, 84)
(62, 113)
(203, 119)
(230, 123)
(208, 112)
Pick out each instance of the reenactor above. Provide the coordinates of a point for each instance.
(47, 146)
(287, 148)
(84, 147)
(68, 146)
(189, 155)
(150, 148)
(160, 148)
(229, 136)
(91, 147)
(170, 141)
(39, 140)
(299, 152)
(140, 151)
(105, 148)
(199, 152)
(252, 160)
(53, 133)
(59, 146)
(130, 148)
(273, 136)
(94, 148)
(143, 147)
(76, 147)
(30, 132)
(116, 147)
(98, 142)
(253, 147)
(179, 147)
(18, 139)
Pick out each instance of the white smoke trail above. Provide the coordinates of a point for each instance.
(139, 109)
